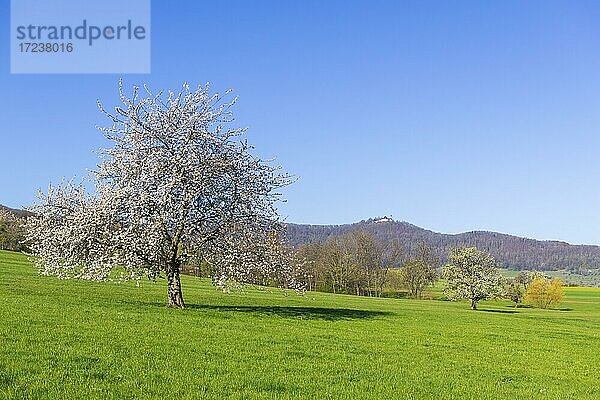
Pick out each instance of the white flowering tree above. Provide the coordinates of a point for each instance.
(472, 274)
(177, 182)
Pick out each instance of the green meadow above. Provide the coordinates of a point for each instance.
(64, 339)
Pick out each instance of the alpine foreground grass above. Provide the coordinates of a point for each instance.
(64, 339)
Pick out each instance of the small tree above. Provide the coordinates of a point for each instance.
(175, 183)
(419, 272)
(514, 290)
(416, 276)
(472, 275)
(342, 272)
(523, 279)
(544, 293)
(367, 256)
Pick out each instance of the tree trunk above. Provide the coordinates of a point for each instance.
(174, 288)
(473, 304)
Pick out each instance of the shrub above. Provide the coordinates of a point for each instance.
(544, 293)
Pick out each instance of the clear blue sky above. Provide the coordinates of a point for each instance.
(454, 116)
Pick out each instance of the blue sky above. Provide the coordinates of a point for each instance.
(454, 116)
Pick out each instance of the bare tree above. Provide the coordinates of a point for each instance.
(354, 263)
(176, 182)
(419, 272)
(314, 276)
(340, 266)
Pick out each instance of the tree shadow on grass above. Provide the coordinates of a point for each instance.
(310, 313)
(499, 311)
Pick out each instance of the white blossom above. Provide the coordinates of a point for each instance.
(472, 274)
(176, 183)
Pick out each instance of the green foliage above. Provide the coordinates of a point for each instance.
(394, 282)
(65, 339)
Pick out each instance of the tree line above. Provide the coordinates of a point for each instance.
(355, 263)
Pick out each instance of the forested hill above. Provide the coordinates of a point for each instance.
(18, 213)
(510, 251)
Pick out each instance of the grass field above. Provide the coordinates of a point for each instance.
(591, 278)
(84, 340)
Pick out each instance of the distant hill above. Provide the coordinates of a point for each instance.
(510, 251)
(18, 213)
(12, 233)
